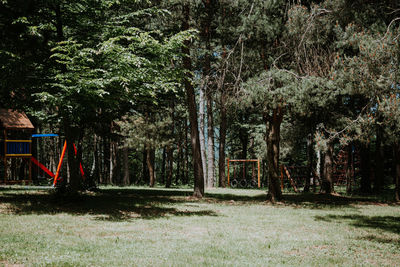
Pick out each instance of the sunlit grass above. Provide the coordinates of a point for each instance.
(158, 227)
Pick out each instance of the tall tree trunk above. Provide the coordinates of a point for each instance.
(327, 181)
(210, 143)
(186, 161)
(365, 169)
(379, 161)
(179, 161)
(222, 139)
(106, 159)
(71, 135)
(125, 152)
(114, 163)
(95, 163)
(164, 156)
(310, 162)
(397, 169)
(349, 168)
(150, 165)
(244, 140)
(170, 154)
(101, 158)
(201, 132)
(191, 102)
(145, 171)
(273, 140)
(318, 168)
(206, 33)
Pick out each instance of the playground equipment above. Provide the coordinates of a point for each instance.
(297, 177)
(342, 164)
(57, 175)
(243, 182)
(35, 161)
(16, 143)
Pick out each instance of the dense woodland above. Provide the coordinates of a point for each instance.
(163, 92)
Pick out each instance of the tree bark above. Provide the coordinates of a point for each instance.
(114, 163)
(170, 153)
(179, 161)
(327, 182)
(71, 135)
(397, 169)
(186, 161)
(206, 33)
(201, 132)
(150, 166)
(164, 156)
(310, 162)
(106, 159)
(125, 151)
(95, 163)
(191, 102)
(170, 165)
(210, 143)
(365, 186)
(145, 171)
(379, 161)
(273, 140)
(349, 168)
(222, 139)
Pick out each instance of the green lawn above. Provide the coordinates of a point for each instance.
(158, 227)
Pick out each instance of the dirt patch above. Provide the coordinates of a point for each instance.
(7, 264)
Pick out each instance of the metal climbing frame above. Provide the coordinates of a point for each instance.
(244, 162)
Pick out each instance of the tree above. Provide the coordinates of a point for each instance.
(128, 67)
(191, 103)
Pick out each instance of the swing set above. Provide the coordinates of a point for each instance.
(56, 177)
(243, 181)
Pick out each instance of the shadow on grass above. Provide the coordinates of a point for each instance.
(118, 204)
(327, 201)
(110, 205)
(242, 199)
(389, 224)
(385, 223)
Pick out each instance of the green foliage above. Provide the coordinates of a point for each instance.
(153, 130)
(271, 89)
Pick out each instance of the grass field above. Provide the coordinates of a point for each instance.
(159, 227)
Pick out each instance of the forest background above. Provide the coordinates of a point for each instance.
(163, 92)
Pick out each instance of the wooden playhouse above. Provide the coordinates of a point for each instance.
(15, 147)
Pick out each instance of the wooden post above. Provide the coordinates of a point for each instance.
(290, 179)
(234, 171)
(244, 165)
(5, 169)
(30, 170)
(252, 170)
(259, 179)
(30, 162)
(228, 171)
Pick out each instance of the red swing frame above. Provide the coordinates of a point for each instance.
(244, 162)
